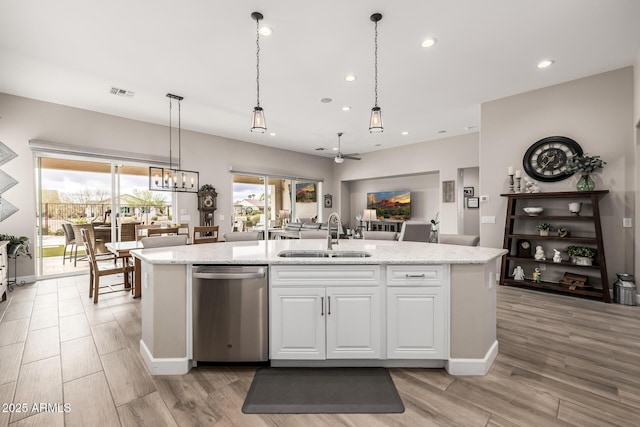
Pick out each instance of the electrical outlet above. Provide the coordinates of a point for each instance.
(186, 218)
(221, 217)
(484, 199)
(543, 267)
(626, 222)
(488, 219)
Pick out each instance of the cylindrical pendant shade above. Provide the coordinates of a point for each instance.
(258, 124)
(375, 124)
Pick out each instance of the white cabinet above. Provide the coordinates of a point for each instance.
(297, 323)
(415, 323)
(337, 321)
(417, 302)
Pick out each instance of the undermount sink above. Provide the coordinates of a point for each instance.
(323, 254)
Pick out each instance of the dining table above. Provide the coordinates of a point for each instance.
(122, 250)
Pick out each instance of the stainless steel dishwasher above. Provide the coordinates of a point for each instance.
(230, 319)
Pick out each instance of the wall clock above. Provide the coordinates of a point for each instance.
(524, 249)
(546, 160)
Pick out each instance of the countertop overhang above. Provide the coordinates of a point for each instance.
(266, 252)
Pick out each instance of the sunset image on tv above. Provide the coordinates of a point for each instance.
(390, 204)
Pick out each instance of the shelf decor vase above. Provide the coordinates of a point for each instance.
(585, 183)
(544, 232)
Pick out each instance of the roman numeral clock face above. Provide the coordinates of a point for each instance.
(547, 159)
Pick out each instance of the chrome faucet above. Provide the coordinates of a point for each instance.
(330, 241)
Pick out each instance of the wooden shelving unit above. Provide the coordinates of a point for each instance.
(511, 239)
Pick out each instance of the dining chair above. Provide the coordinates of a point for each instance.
(183, 229)
(380, 235)
(77, 229)
(141, 230)
(162, 231)
(98, 267)
(313, 234)
(205, 234)
(459, 239)
(69, 239)
(163, 241)
(415, 231)
(241, 236)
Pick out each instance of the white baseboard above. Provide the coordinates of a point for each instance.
(22, 280)
(164, 366)
(473, 366)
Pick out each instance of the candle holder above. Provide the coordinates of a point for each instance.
(511, 190)
(518, 189)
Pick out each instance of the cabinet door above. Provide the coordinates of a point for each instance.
(297, 328)
(415, 323)
(353, 323)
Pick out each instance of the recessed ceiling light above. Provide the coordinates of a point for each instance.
(346, 108)
(469, 127)
(442, 131)
(335, 148)
(265, 31)
(272, 134)
(428, 42)
(320, 149)
(326, 100)
(405, 133)
(545, 63)
(350, 77)
(377, 145)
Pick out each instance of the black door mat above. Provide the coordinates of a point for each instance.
(322, 391)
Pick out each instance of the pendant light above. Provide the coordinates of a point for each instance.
(375, 124)
(170, 179)
(258, 124)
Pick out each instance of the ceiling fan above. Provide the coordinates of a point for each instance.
(339, 158)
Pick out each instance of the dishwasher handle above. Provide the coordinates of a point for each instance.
(260, 274)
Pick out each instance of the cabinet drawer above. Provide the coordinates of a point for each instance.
(415, 275)
(315, 275)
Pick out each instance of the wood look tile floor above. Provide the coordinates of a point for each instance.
(562, 361)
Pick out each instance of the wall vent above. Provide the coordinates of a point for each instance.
(121, 92)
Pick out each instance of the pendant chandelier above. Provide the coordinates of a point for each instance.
(258, 124)
(174, 179)
(375, 124)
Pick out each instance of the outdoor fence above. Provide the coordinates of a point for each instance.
(56, 214)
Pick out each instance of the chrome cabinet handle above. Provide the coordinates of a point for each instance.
(321, 306)
(329, 305)
(414, 275)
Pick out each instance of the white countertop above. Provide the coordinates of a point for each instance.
(261, 252)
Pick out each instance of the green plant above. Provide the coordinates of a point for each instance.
(17, 245)
(581, 251)
(544, 226)
(584, 164)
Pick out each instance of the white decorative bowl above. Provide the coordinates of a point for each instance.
(533, 211)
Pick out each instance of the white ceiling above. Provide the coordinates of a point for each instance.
(72, 52)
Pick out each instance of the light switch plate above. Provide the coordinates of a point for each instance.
(484, 199)
(221, 217)
(626, 222)
(488, 219)
(185, 218)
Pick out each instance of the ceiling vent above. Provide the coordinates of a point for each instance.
(122, 92)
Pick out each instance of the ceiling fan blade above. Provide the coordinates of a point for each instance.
(351, 156)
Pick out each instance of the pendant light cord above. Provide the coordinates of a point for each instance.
(170, 143)
(375, 68)
(258, 61)
(179, 135)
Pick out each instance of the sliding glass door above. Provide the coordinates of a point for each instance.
(263, 203)
(74, 193)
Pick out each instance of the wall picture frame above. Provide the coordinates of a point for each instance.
(328, 201)
(473, 202)
(468, 191)
(448, 191)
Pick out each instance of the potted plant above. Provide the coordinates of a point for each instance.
(17, 245)
(544, 228)
(585, 165)
(581, 255)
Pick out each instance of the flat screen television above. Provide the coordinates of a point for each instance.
(390, 204)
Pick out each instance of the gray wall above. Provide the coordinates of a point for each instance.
(423, 188)
(25, 119)
(597, 112)
(471, 217)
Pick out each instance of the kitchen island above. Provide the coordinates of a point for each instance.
(414, 304)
